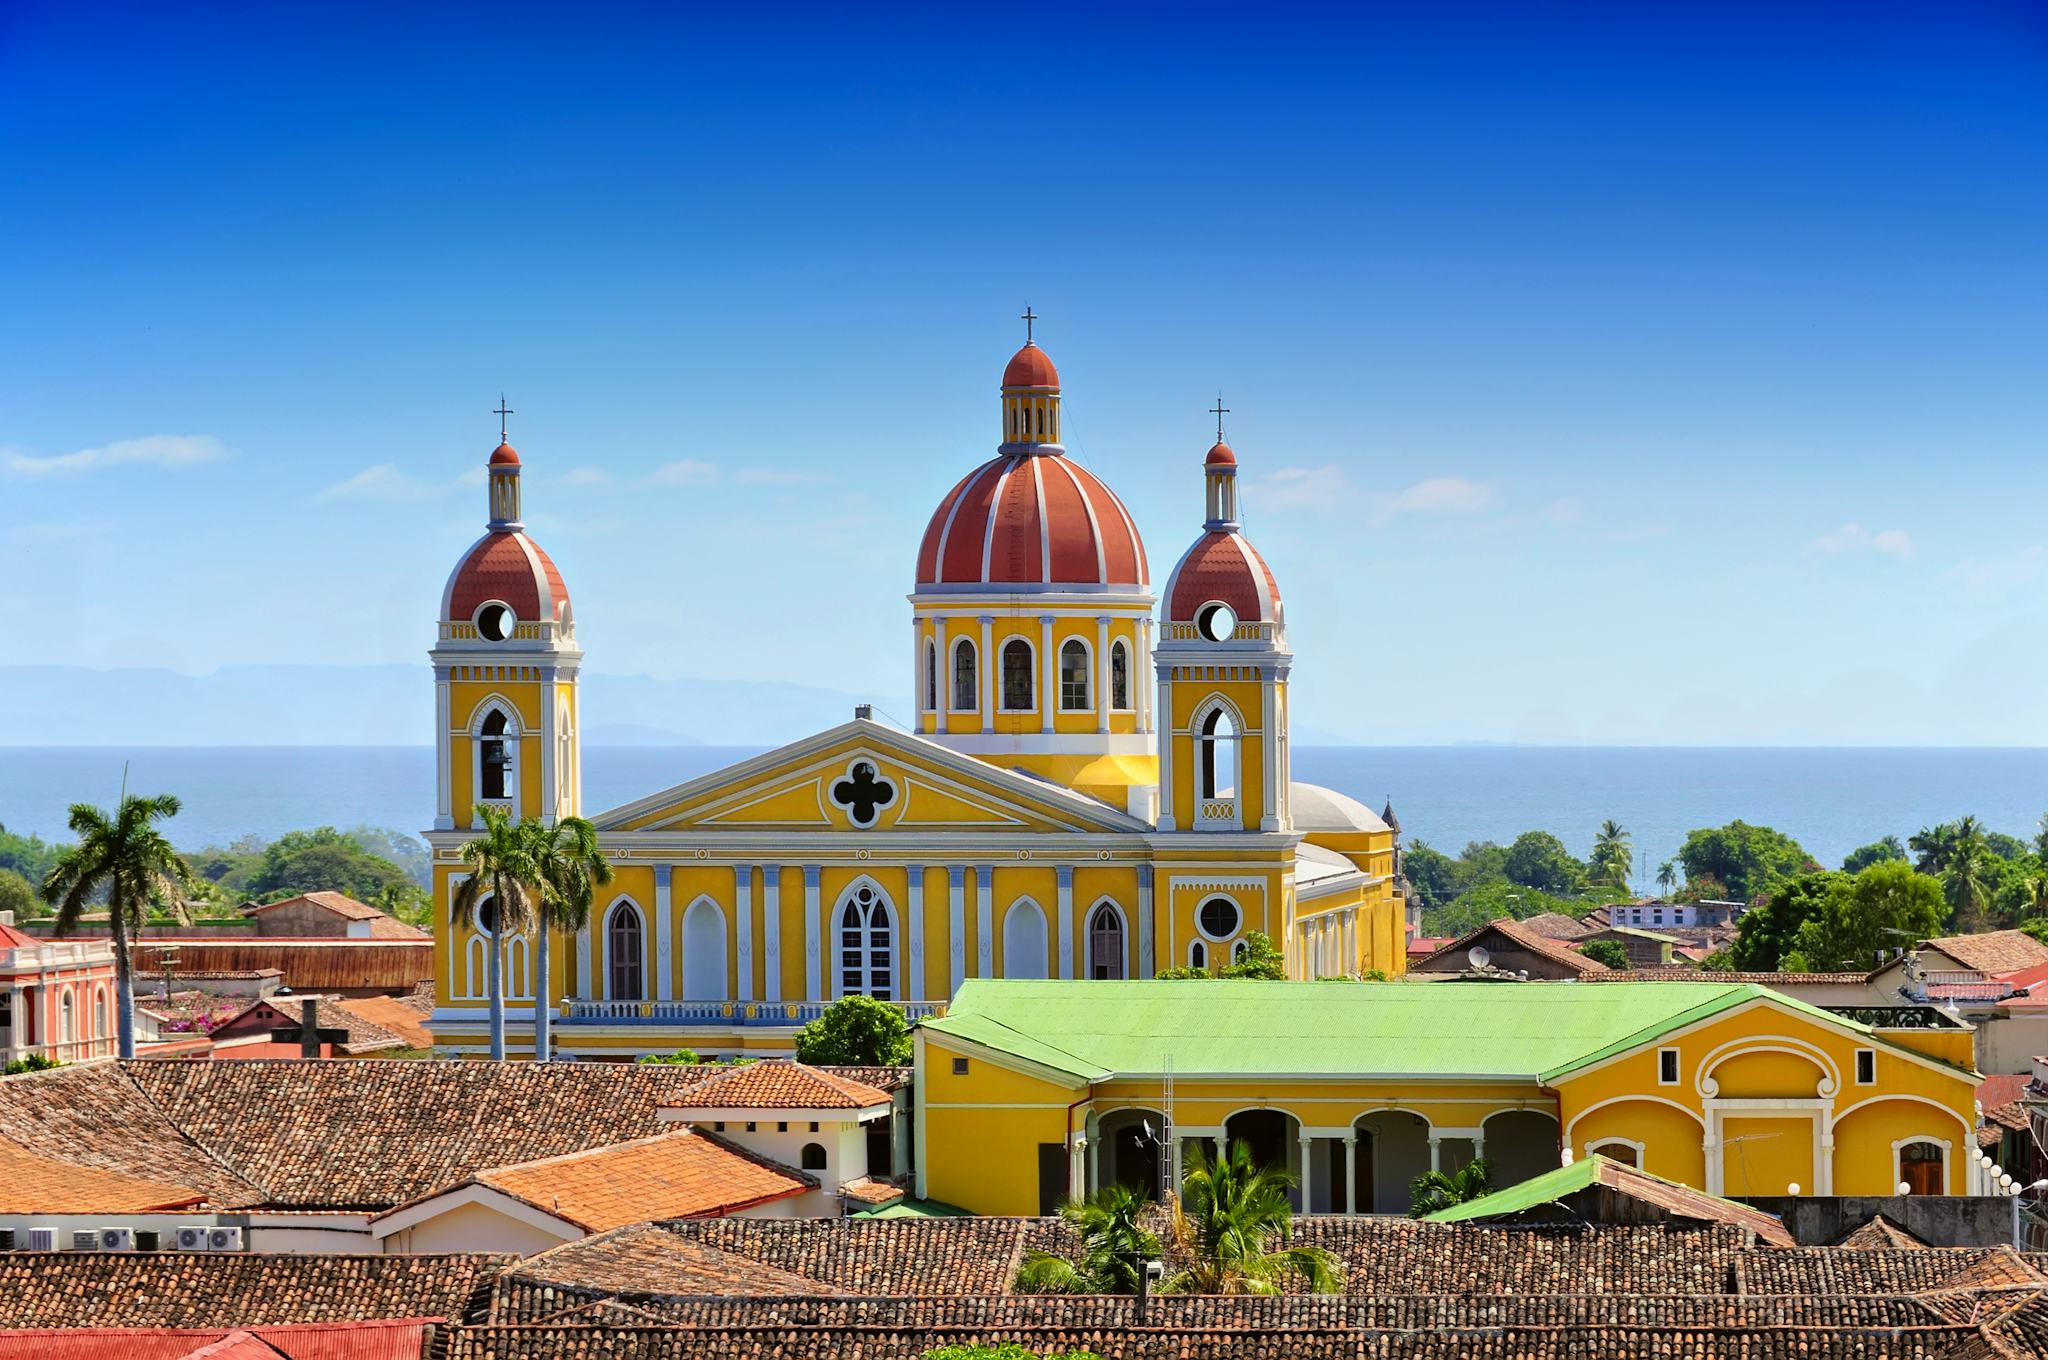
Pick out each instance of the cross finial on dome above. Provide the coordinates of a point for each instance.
(1028, 318)
(1220, 411)
(501, 412)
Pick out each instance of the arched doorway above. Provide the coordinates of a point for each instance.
(1024, 941)
(704, 952)
(1129, 1145)
(1392, 1150)
(1520, 1144)
(1274, 1139)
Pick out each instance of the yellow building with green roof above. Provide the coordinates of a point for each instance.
(1030, 1092)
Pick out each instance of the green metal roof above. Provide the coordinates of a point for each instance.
(1551, 1185)
(1218, 1027)
(912, 1207)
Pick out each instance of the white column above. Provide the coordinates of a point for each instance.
(662, 989)
(918, 680)
(989, 677)
(1141, 675)
(585, 965)
(1165, 819)
(444, 753)
(1269, 754)
(813, 949)
(1308, 1161)
(1103, 697)
(915, 990)
(1049, 696)
(985, 920)
(1435, 1152)
(1145, 968)
(943, 691)
(771, 932)
(743, 912)
(1077, 1173)
(1351, 1172)
(956, 921)
(1066, 930)
(550, 788)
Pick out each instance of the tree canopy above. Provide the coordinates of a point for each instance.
(1867, 916)
(1766, 932)
(856, 1031)
(1746, 860)
(1877, 852)
(1539, 860)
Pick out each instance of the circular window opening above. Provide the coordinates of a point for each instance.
(1218, 918)
(495, 622)
(487, 916)
(1216, 622)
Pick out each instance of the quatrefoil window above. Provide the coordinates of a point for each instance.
(863, 793)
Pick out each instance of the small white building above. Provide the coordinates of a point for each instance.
(824, 1124)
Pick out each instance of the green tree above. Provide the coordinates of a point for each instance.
(1765, 933)
(856, 1031)
(1667, 876)
(1260, 961)
(1861, 919)
(1746, 860)
(1434, 1191)
(1114, 1248)
(1432, 873)
(18, 895)
(565, 869)
(34, 1062)
(1608, 952)
(29, 856)
(2041, 836)
(1613, 856)
(494, 898)
(321, 859)
(1877, 852)
(1539, 860)
(127, 861)
(682, 1057)
(2034, 898)
(1231, 1223)
(2036, 928)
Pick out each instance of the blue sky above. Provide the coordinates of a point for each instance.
(1646, 377)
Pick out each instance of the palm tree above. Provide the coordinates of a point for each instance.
(1436, 1191)
(128, 860)
(564, 867)
(1225, 1222)
(2034, 901)
(1114, 1248)
(1667, 875)
(496, 899)
(1612, 856)
(1965, 883)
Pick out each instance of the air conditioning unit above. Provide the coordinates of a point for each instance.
(84, 1239)
(42, 1239)
(192, 1238)
(6, 1239)
(148, 1239)
(117, 1239)
(224, 1239)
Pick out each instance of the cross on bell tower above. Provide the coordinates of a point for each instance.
(1220, 411)
(502, 411)
(1029, 318)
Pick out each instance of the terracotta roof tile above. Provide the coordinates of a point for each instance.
(94, 1115)
(671, 1175)
(404, 1016)
(872, 1190)
(1556, 925)
(359, 1340)
(1716, 975)
(1880, 1234)
(236, 1289)
(1993, 951)
(642, 1258)
(1554, 950)
(779, 1084)
(34, 1184)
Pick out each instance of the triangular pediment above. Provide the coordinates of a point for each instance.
(864, 777)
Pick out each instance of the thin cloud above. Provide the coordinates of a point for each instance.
(693, 472)
(1441, 496)
(768, 477)
(1329, 488)
(383, 482)
(1301, 488)
(1566, 512)
(586, 476)
(1854, 538)
(2010, 572)
(169, 451)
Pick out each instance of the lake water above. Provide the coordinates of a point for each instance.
(1830, 799)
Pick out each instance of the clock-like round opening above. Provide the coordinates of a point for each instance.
(1216, 621)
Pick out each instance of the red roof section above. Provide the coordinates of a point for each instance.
(505, 453)
(10, 938)
(1031, 519)
(397, 1339)
(508, 567)
(1220, 456)
(1030, 367)
(779, 1084)
(1223, 565)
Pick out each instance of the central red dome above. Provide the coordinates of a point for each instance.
(1036, 519)
(1030, 367)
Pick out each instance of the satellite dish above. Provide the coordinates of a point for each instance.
(1146, 1124)
(1478, 956)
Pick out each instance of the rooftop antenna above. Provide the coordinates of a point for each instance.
(501, 412)
(1220, 411)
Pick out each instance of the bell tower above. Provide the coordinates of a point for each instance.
(1222, 664)
(505, 667)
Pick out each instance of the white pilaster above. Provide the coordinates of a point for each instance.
(1141, 673)
(1269, 754)
(585, 961)
(1145, 968)
(662, 990)
(1049, 692)
(444, 754)
(989, 677)
(985, 920)
(550, 787)
(1103, 696)
(1308, 1162)
(743, 913)
(1351, 1172)
(956, 923)
(814, 958)
(1165, 819)
(771, 932)
(1066, 914)
(915, 990)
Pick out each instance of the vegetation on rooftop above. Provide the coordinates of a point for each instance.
(1114, 1248)
(1435, 1191)
(1232, 1224)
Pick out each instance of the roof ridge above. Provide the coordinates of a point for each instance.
(123, 1066)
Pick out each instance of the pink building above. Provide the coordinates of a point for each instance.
(56, 996)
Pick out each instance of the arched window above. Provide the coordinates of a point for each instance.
(1119, 676)
(866, 944)
(1921, 1168)
(1073, 675)
(67, 1019)
(99, 1013)
(1239, 950)
(565, 765)
(496, 756)
(931, 677)
(1024, 951)
(623, 939)
(1016, 675)
(1198, 955)
(1106, 943)
(704, 952)
(1219, 753)
(812, 1158)
(966, 693)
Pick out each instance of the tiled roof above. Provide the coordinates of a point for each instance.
(361, 1033)
(1826, 1270)
(405, 1016)
(308, 964)
(1714, 975)
(93, 1115)
(642, 1258)
(889, 1079)
(1993, 951)
(235, 1289)
(341, 904)
(1536, 943)
(871, 1190)
(779, 1084)
(1995, 1091)
(359, 1340)
(33, 1184)
(671, 1175)
(1880, 1234)
(1556, 925)
(1540, 1195)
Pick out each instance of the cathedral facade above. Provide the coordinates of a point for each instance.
(1097, 785)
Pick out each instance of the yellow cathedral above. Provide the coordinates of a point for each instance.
(1095, 788)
